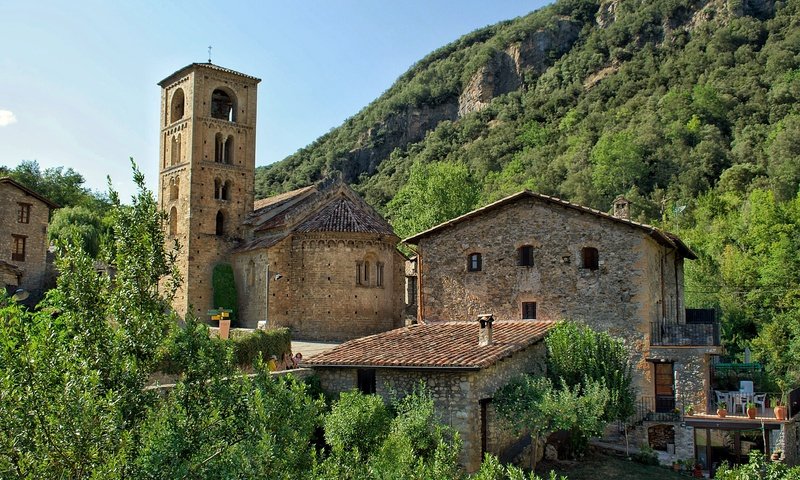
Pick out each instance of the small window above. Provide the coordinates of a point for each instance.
(24, 213)
(591, 258)
(379, 274)
(529, 310)
(366, 380)
(18, 252)
(365, 277)
(228, 153)
(474, 262)
(173, 189)
(178, 100)
(220, 230)
(226, 191)
(359, 270)
(525, 256)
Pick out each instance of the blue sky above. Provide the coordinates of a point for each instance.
(78, 79)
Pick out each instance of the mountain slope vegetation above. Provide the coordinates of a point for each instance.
(586, 100)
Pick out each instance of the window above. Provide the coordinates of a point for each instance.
(18, 252)
(226, 191)
(525, 256)
(173, 189)
(222, 106)
(366, 380)
(359, 267)
(365, 277)
(220, 223)
(228, 150)
(24, 213)
(591, 258)
(379, 274)
(178, 100)
(529, 310)
(223, 149)
(175, 150)
(173, 221)
(474, 262)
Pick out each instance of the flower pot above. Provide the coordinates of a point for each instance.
(751, 412)
(780, 412)
(775, 456)
(721, 413)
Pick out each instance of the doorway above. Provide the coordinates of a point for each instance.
(665, 387)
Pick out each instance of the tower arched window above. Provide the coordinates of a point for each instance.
(219, 148)
(226, 191)
(175, 150)
(217, 189)
(229, 150)
(173, 189)
(223, 105)
(173, 221)
(220, 223)
(178, 105)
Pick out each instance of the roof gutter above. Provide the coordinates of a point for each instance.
(395, 367)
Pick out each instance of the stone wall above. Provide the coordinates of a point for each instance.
(622, 297)
(35, 232)
(457, 396)
(692, 374)
(791, 441)
(318, 295)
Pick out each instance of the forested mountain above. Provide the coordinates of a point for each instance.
(687, 107)
(586, 99)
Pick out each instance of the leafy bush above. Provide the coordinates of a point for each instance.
(357, 422)
(261, 343)
(645, 456)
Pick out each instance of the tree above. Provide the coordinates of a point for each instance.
(434, 193)
(79, 222)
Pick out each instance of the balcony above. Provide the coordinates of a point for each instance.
(684, 335)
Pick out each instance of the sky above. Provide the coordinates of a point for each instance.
(78, 80)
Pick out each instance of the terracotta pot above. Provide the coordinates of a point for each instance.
(721, 413)
(780, 412)
(775, 456)
(751, 412)
(676, 466)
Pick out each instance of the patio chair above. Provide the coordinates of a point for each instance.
(760, 399)
(739, 400)
(722, 397)
(746, 386)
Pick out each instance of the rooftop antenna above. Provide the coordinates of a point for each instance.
(209, 54)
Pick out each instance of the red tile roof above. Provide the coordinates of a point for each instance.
(435, 345)
(209, 66)
(660, 236)
(342, 215)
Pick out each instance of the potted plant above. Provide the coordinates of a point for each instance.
(722, 409)
(776, 455)
(689, 410)
(751, 410)
(780, 407)
(676, 465)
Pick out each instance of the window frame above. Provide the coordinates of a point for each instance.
(365, 380)
(526, 307)
(525, 256)
(475, 262)
(24, 212)
(590, 258)
(17, 253)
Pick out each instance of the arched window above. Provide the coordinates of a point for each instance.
(217, 189)
(173, 188)
(228, 150)
(175, 151)
(226, 191)
(220, 223)
(525, 256)
(178, 102)
(173, 221)
(223, 106)
(591, 258)
(219, 148)
(474, 262)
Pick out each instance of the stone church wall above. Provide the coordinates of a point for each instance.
(318, 296)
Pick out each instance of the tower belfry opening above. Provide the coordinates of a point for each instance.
(222, 106)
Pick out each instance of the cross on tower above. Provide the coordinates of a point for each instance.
(209, 54)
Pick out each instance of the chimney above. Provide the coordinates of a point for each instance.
(485, 333)
(622, 208)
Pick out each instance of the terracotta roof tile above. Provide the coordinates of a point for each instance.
(280, 199)
(435, 345)
(342, 215)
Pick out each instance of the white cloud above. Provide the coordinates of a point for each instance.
(7, 118)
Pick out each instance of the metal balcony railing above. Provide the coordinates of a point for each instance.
(675, 334)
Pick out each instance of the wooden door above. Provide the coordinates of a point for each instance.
(665, 387)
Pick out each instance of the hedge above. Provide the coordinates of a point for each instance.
(275, 341)
(224, 289)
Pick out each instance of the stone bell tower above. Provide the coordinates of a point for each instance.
(207, 171)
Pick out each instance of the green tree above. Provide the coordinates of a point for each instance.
(80, 222)
(434, 193)
(618, 163)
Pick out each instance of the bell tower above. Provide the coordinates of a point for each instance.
(206, 171)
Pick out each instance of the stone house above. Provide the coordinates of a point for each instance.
(23, 221)
(317, 259)
(535, 257)
(461, 363)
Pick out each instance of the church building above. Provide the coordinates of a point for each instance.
(319, 259)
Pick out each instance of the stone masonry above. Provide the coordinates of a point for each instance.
(23, 247)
